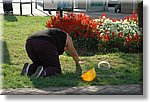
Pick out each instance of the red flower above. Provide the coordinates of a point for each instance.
(105, 40)
(108, 37)
(130, 38)
(136, 36)
(113, 34)
(48, 23)
(118, 19)
(135, 17)
(127, 17)
(139, 41)
(113, 20)
(104, 14)
(131, 17)
(119, 35)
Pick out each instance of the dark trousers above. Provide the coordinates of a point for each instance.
(7, 5)
(43, 53)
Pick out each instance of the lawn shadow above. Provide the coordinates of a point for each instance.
(10, 18)
(85, 52)
(5, 53)
(131, 57)
(59, 80)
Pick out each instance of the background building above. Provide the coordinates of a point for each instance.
(127, 6)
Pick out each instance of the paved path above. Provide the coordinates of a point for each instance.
(80, 90)
(26, 10)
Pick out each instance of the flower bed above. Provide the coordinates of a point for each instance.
(119, 34)
(103, 34)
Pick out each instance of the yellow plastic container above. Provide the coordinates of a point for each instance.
(89, 75)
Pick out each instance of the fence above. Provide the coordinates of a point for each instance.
(22, 2)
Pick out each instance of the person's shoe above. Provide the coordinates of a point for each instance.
(6, 13)
(10, 13)
(25, 69)
(38, 72)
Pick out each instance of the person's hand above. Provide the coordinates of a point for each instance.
(78, 69)
(82, 62)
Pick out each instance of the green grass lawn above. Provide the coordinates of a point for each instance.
(126, 68)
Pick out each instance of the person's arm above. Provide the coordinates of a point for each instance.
(73, 53)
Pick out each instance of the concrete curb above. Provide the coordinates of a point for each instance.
(136, 89)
